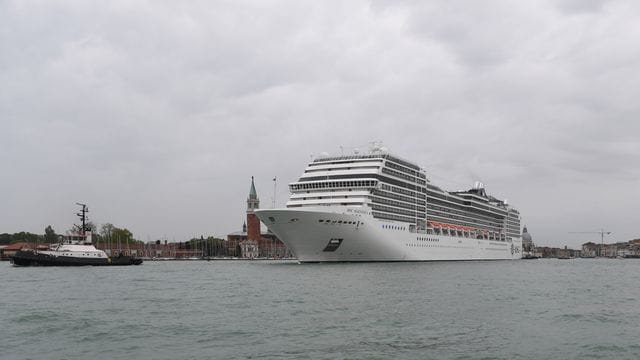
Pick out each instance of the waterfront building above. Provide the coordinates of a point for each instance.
(249, 249)
(554, 252)
(610, 250)
(7, 251)
(252, 242)
(629, 248)
(623, 249)
(158, 249)
(634, 247)
(590, 249)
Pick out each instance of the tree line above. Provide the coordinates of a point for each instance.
(107, 232)
(115, 236)
(209, 247)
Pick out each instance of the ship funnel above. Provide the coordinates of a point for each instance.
(478, 185)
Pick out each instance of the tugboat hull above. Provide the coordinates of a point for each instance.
(122, 260)
(33, 258)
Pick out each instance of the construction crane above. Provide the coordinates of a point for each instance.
(601, 232)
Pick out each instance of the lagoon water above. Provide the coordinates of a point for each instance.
(530, 309)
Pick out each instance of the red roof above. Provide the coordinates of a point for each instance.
(18, 246)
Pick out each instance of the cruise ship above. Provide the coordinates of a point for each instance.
(377, 206)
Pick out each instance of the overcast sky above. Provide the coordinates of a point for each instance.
(157, 113)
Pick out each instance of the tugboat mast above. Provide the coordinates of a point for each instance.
(83, 216)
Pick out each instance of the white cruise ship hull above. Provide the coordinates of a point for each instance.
(344, 234)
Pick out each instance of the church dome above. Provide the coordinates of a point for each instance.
(525, 235)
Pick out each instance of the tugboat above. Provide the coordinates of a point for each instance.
(73, 250)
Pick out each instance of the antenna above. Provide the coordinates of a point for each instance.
(275, 182)
(375, 147)
(83, 216)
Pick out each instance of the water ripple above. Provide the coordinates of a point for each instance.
(270, 310)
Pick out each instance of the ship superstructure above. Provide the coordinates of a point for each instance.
(380, 207)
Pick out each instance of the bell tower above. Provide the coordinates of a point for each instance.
(253, 223)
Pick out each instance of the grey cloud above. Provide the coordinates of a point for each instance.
(581, 6)
(157, 114)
